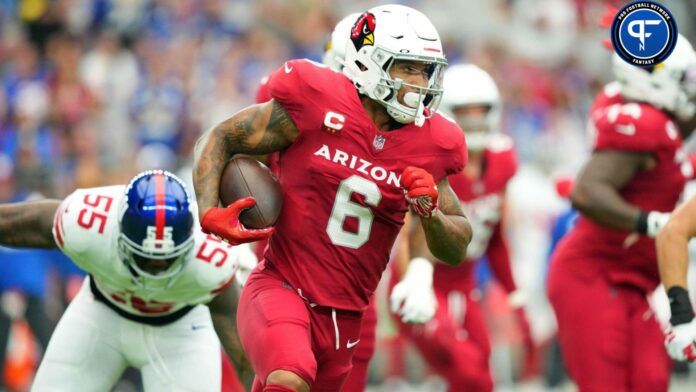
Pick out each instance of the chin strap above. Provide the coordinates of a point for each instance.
(420, 115)
(341, 61)
(686, 110)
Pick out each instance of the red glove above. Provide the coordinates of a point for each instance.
(421, 192)
(224, 222)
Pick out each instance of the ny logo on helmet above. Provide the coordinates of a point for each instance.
(152, 244)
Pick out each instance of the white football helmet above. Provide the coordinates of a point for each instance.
(335, 50)
(670, 85)
(468, 85)
(383, 35)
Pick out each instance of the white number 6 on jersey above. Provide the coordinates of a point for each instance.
(343, 207)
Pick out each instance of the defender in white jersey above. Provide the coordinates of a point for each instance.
(151, 270)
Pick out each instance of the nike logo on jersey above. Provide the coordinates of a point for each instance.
(196, 327)
(350, 344)
(628, 129)
(288, 69)
(377, 173)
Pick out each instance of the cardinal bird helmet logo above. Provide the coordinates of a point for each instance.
(363, 31)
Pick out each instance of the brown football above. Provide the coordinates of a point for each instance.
(243, 177)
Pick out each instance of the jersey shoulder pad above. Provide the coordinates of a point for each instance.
(446, 133)
(501, 152)
(304, 89)
(85, 226)
(263, 94)
(449, 137)
(296, 78)
(213, 263)
(630, 126)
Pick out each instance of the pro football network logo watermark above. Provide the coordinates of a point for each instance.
(644, 33)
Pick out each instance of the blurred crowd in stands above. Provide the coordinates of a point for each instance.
(92, 91)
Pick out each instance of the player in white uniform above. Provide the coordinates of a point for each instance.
(151, 270)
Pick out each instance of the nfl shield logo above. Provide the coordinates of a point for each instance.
(378, 143)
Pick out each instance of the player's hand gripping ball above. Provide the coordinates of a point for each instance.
(421, 191)
(253, 201)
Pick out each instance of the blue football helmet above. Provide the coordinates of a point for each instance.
(156, 226)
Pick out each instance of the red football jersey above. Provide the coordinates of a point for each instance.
(482, 200)
(630, 126)
(342, 201)
(263, 94)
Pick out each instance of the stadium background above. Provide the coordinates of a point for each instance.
(92, 91)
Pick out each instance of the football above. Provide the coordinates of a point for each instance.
(245, 176)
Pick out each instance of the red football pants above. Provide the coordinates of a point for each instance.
(609, 337)
(280, 331)
(230, 381)
(455, 342)
(357, 379)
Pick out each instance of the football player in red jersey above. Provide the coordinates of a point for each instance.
(334, 55)
(673, 263)
(455, 343)
(356, 153)
(603, 269)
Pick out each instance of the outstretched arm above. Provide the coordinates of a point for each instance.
(28, 224)
(443, 234)
(672, 251)
(447, 231)
(223, 310)
(673, 257)
(258, 129)
(596, 191)
(413, 298)
(498, 256)
(673, 261)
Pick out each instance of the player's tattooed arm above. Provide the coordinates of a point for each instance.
(416, 245)
(223, 311)
(258, 129)
(596, 191)
(28, 224)
(448, 232)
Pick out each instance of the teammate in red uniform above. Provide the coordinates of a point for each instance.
(356, 153)
(603, 269)
(455, 343)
